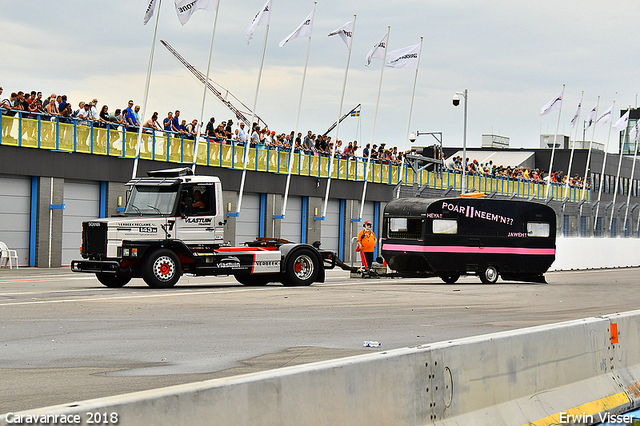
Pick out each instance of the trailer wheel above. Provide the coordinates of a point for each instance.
(254, 280)
(489, 275)
(450, 279)
(112, 280)
(301, 269)
(161, 269)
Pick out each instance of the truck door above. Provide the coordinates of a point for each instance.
(197, 221)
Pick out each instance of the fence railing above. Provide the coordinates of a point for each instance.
(31, 130)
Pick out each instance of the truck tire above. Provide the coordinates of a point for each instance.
(161, 269)
(255, 280)
(112, 280)
(301, 268)
(489, 275)
(450, 279)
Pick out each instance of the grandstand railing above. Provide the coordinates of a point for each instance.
(31, 130)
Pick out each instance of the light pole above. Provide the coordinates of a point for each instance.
(456, 102)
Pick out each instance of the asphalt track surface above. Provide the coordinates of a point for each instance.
(64, 337)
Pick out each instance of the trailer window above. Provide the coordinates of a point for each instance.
(405, 228)
(538, 229)
(445, 226)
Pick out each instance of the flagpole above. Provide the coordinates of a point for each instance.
(553, 149)
(575, 136)
(604, 163)
(146, 95)
(406, 136)
(247, 145)
(335, 142)
(375, 117)
(295, 132)
(586, 168)
(615, 192)
(633, 169)
(204, 92)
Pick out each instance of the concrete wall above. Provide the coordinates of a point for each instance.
(596, 253)
(533, 376)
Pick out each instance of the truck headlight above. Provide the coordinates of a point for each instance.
(125, 252)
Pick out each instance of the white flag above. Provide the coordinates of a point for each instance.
(303, 30)
(591, 118)
(149, 13)
(262, 18)
(345, 32)
(633, 134)
(575, 116)
(185, 8)
(555, 103)
(622, 122)
(378, 51)
(605, 117)
(404, 58)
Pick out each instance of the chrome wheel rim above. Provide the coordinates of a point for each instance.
(164, 268)
(303, 267)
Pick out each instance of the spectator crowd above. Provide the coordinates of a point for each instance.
(59, 108)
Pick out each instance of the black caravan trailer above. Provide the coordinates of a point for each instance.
(469, 235)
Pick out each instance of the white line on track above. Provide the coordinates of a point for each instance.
(137, 296)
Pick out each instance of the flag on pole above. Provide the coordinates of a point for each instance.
(575, 116)
(262, 18)
(622, 122)
(149, 13)
(633, 134)
(605, 117)
(185, 8)
(406, 57)
(345, 32)
(554, 103)
(591, 118)
(378, 51)
(303, 30)
(355, 113)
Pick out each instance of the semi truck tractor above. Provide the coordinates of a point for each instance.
(173, 224)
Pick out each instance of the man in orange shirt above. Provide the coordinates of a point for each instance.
(367, 244)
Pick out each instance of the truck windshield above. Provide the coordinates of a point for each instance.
(151, 200)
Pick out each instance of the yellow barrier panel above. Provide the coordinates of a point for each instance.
(273, 160)
(352, 165)
(305, 165)
(227, 155)
(295, 167)
(214, 153)
(174, 149)
(115, 143)
(252, 158)
(47, 134)
(29, 133)
(361, 168)
(238, 160)
(385, 174)
(99, 140)
(323, 166)
(201, 157)
(284, 161)
(261, 158)
(66, 137)
(9, 130)
(342, 168)
(313, 164)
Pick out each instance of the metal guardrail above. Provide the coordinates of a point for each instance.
(69, 135)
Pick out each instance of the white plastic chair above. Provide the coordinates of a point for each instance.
(6, 256)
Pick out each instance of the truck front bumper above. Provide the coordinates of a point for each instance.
(99, 266)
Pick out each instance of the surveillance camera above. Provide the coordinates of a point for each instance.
(412, 137)
(456, 100)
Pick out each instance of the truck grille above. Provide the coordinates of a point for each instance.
(94, 240)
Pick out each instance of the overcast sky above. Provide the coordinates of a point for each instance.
(512, 56)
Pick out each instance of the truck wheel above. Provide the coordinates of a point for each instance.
(301, 269)
(450, 279)
(254, 280)
(161, 269)
(112, 280)
(489, 275)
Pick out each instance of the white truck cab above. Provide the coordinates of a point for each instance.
(173, 224)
